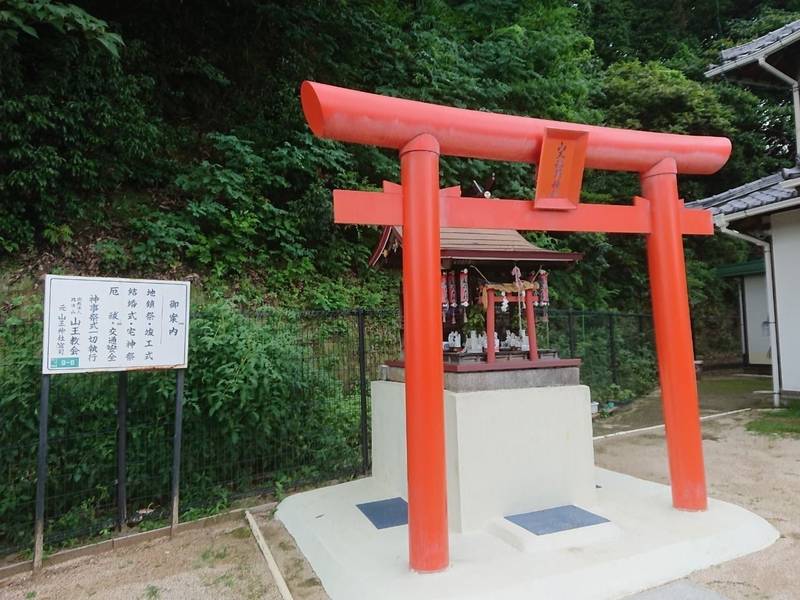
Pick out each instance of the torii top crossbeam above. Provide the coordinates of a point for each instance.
(363, 118)
(421, 132)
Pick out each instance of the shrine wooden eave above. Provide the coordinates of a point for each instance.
(474, 245)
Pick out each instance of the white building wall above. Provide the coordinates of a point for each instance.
(757, 320)
(786, 249)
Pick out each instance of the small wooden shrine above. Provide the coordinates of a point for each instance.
(494, 286)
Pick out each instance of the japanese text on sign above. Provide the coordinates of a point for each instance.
(104, 324)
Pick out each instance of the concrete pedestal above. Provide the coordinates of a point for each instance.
(509, 451)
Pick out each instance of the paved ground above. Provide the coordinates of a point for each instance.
(757, 472)
(220, 562)
(298, 574)
(761, 473)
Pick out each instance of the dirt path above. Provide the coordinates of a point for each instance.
(221, 562)
(760, 473)
(300, 577)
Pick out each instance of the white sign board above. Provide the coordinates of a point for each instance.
(106, 324)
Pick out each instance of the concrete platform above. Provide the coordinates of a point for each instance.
(645, 543)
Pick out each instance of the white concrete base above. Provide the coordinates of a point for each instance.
(647, 543)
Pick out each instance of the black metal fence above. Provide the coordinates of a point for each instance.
(272, 399)
(617, 350)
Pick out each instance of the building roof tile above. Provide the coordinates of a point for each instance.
(763, 192)
(741, 62)
(772, 38)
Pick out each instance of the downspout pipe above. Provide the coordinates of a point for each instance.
(722, 225)
(795, 85)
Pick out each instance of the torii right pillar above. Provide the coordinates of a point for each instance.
(673, 335)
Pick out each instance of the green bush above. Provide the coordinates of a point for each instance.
(65, 140)
(260, 405)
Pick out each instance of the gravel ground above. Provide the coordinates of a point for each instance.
(221, 562)
(300, 577)
(760, 473)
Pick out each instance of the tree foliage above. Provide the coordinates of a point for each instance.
(183, 149)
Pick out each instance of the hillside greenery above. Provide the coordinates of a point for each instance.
(163, 139)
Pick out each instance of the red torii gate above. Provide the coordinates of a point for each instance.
(421, 132)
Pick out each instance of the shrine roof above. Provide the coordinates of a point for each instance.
(476, 245)
(741, 62)
(768, 194)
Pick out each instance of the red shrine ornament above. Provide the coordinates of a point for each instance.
(544, 290)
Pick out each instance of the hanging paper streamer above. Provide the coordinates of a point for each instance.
(463, 287)
(445, 303)
(520, 295)
(452, 296)
(544, 301)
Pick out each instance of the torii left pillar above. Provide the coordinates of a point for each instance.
(425, 435)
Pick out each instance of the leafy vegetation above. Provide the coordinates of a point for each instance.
(257, 409)
(154, 139)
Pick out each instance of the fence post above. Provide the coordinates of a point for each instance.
(122, 448)
(176, 450)
(612, 349)
(571, 334)
(41, 474)
(362, 373)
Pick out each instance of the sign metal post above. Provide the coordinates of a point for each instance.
(41, 473)
(122, 446)
(176, 451)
